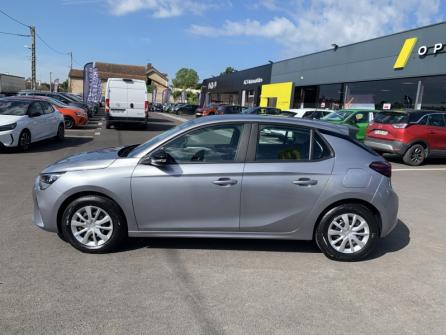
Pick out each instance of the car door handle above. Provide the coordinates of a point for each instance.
(305, 182)
(225, 182)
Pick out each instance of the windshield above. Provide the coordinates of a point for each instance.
(143, 147)
(18, 108)
(391, 117)
(337, 116)
(249, 110)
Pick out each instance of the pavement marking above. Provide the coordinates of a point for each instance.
(97, 133)
(426, 169)
(99, 123)
(173, 117)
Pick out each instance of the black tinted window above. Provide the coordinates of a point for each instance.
(210, 144)
(277, 142)
(17, 108)
(436, 120)
(36, 109)
(47, 108)
(320, 149)
(391, 118)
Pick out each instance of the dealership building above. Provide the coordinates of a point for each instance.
(402, 70)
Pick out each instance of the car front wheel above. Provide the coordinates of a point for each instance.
(93, 224)
(24, 140)
(347, 232)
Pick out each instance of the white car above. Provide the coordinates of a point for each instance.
(309, 113)
(126, 102)
(27, 120)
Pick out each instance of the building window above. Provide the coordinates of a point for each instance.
(399, 93)
(433, 93)
(330, 96)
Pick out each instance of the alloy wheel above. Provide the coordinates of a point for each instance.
(91, 226)
(417, 155)
(25, 140)
(69, 123)
(348, 233)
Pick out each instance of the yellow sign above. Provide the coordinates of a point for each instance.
(405, 53)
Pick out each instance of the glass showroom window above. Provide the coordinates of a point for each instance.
(330, 96)
(433, 93)
(399, 93)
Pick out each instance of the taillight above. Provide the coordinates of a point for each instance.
(107, 105)
(382, 167)
(399, 125)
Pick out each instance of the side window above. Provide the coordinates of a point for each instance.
(277, 142)
(47, 108)
(320, 148)
(36, 108)
(436, 120)
(206, 145)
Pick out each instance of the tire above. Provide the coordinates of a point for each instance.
(96, 238)
(24, 140)
(107, 125)
(415, 155)
(330, 242)
(69, 122)
(60, 136)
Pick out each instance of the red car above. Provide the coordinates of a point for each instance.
(413, 134)
(211, 109)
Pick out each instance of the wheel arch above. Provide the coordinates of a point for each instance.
(77, 195)
(364, 203)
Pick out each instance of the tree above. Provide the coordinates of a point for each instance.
(64, 86)
(228, 70)
(185, 78)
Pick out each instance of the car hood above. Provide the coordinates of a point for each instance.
(91, 160)
(8, 119)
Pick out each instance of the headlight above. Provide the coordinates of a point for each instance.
(46, 180)
(80, 113)
(8, 127)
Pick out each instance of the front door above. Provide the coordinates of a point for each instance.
(199, 188)
(283, 179)
(37, 124)
(437, 132)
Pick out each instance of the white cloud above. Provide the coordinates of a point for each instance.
(159, 8)
(311, 26)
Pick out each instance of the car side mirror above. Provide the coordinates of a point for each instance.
(157, 158)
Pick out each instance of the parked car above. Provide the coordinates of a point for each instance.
(354, 117)
(126, 102)
(208, 110)
(302, 179)
(60, 97)
(24, 121)
(93, 107)
(262, 111)
(412, 134)
(228, 109)
(185, 109)
(73, 116)
(157, 107)
(308, 113)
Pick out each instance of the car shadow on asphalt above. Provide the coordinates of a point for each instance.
(397, 240)
(149, 127)
(429, 161)
(49, 145)
(220, 244)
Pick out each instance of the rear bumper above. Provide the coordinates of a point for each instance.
(394, 147)
(116, 119)
(387, 202)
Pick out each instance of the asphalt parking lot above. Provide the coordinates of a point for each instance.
(191, 286)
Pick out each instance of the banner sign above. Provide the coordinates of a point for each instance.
(92, 84)
(56, 85)
(166, 96)
(154, 92)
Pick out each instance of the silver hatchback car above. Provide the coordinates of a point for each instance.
(236, 176)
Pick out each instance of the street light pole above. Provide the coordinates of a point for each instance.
(33, 57)
(71, 68)
(50, 82)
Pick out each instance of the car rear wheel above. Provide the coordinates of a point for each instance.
(347, 232)
(69, 122)
(415, 155)
(93, 224)
(24, 140)
(60, 136)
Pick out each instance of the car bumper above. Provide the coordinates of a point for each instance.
(394, 147)
(117, 119)
(387, 202)
(9, 138)
(198, 114)
(45, 207)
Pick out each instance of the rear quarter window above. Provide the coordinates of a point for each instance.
(391, 118)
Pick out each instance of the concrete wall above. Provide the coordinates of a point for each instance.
(77, 85)
(368, 60)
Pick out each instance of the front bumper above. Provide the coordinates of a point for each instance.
(46, 203)
(393, 147)
(9, 138)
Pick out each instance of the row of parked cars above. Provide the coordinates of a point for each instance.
(413, 135)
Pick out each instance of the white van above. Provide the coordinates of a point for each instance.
(126, 101)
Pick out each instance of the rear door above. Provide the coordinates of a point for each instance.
(437, 132)
(117, 94)
(51, 119)
(136, 97)
(286, 170)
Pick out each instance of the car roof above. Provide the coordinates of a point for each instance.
(412, 111)
(22, 98)
(317, 124)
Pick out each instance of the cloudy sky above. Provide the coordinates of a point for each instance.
(205, 35)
